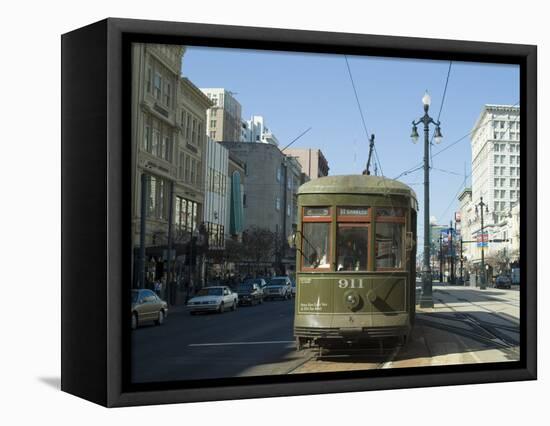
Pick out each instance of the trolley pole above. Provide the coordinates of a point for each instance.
(426, 299)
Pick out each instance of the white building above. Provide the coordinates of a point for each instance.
(495, 158)
(495, 147)
(256, 130)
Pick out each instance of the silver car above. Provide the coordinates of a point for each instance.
(213, 299)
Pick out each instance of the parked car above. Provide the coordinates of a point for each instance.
(503, 281)
(217, 298)
(147, 306)
(250, 293)
(278, 287)
(259, 280)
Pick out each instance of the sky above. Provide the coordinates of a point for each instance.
(295, 91)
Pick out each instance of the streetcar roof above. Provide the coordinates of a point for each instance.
(356, 184)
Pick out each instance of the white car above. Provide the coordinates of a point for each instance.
(218, 299)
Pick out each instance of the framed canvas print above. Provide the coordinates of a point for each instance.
(254, 212)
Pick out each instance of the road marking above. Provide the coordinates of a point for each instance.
(274, 342)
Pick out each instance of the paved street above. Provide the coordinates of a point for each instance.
(253, 340)
(467, 325)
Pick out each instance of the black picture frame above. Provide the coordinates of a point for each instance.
(96, 203)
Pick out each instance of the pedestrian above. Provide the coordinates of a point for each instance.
(158, 287)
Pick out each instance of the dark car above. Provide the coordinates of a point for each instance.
(503, 281)
(262, 282)
(250, 293)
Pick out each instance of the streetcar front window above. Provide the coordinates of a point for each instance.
(352, 247)
(315, 245)
(389, 245)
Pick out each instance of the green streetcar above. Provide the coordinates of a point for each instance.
(355, 260)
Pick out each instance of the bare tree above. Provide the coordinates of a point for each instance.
(259, 244)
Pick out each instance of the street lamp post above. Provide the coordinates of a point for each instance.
(440, 257)
(481, 205)
(426, 299)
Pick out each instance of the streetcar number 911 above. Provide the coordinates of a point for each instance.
(350, 283)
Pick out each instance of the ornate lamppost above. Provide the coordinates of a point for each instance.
(426, 299)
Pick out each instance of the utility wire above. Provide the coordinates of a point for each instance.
(460, 188)
(357, 99)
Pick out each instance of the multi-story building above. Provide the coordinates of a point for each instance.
(156, 70)
(224, 121)
(495, 147)
(313, 162)
(495, 158)
(467, 215)
(270, 188)
(168, 139)
(217, 194)
(190, 183)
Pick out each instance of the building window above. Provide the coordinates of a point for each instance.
(157, 192)
(278, 204)
(194, 132)
(213, 135)
(496, 148)
(157, 86)
(288, 210)
(167, 93)
(188, 128)
(147, 138)
(244, 200)
(186, 217)
(156, 138)
(278, 174)
(212, 123)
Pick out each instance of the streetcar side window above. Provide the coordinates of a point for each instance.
(315, 245)
(390, 237)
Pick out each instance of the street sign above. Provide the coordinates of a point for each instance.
(482, 240)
